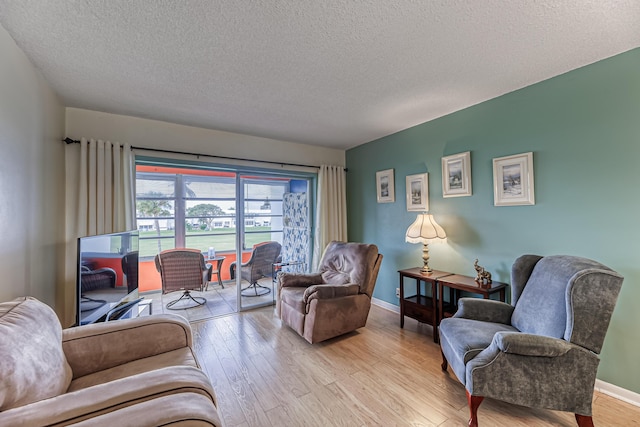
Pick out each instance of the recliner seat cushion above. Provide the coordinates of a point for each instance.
(295, 298)
(33, 366)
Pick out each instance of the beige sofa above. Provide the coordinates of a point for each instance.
(134, 372)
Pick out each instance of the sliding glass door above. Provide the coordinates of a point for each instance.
(230, 216)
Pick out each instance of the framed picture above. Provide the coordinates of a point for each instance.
(456, 175)
(385, 186)
(513, 180)
(418, 192)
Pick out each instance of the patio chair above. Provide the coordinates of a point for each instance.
(260, 265)
(183, 270)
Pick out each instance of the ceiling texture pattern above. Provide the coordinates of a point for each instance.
(335, 73)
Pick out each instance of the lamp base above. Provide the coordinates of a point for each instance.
(425, 260)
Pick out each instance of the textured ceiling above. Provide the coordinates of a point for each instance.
(337, 73)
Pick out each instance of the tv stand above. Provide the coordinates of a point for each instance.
(122, 310)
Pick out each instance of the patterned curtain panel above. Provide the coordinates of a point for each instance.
(296, 229)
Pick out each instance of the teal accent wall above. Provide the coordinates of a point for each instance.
(583, 128)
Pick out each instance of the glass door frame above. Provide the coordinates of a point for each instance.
(240, 173)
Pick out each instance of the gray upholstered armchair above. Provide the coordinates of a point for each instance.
(337, 298)
(542, 350)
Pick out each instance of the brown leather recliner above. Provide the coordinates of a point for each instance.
(337, 298)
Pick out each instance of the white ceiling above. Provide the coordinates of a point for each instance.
(336, 73)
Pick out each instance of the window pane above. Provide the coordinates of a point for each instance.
(154, 185)
(251, 239)
(220, 242)
(151, 244)
(210, 187)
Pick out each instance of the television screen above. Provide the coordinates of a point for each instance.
(107, 278)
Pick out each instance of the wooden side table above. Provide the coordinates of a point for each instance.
(421, 307)
(457, 283)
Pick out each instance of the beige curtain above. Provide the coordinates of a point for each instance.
(105, 188)
(100, 198)
(331, 209)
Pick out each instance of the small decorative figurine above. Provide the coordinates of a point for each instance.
(483, 277)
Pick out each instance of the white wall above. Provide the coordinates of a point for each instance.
(31, 180)
(169, 136)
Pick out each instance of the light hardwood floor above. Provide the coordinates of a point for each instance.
(264, 374)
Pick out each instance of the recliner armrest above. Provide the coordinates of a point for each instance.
(530, 344)
(100, 346)
(299, 279)
(330, 291)
(485, 310)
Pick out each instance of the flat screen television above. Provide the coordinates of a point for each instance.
(107, 277)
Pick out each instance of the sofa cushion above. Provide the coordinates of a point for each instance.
(180, 357)
(32, 364)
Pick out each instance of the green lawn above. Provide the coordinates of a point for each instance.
(222, 239)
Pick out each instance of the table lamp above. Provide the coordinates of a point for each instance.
(424, 230)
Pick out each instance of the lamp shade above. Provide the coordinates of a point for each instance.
(424, 229)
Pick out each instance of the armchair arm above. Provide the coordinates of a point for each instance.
(531, 345)
(100, 346)
(111, 396)
(485, 310)
(299, 279)
(330, 291)
(161, 411)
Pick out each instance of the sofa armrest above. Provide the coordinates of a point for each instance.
(100, 346)
(298, 279)
(329, 291)
(112, 396)
(485, 310)
(531, 345)
(184, 409)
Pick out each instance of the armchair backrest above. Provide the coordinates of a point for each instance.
(261, 262)
(33, 366)
(130, 269)
(565, 297)
(357, 263)
(181, 269)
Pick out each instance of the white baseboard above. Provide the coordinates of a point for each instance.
(614, 391)
(387, 306)
(618, 392)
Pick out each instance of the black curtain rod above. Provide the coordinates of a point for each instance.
(74, 141)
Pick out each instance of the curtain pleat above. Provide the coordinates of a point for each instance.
(105, 188)
(331, 210)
